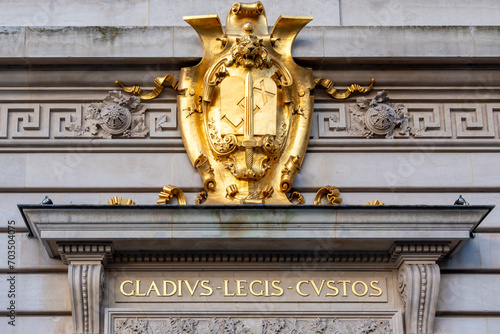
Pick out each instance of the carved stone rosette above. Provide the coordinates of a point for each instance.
(379, 117)
(114, 116)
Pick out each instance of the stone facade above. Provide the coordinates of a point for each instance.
(438, 63)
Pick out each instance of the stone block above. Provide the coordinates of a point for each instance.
(466, 293)
(13, 168)
(355, 42)
(110, 170)
(187, 43)
(38, 293)
(465, 325)
(11, 41)
(99, 42)
(74, 13)
(419, 13)
(479, 253)
(40, 324)
(403, 169)
(309, 43)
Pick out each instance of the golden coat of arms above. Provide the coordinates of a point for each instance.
(245, 111)
(246, 114)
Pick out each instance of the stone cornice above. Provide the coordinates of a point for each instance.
(247, 233)
(179, 46)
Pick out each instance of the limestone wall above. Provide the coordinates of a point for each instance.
(326, 13)
(447, 78)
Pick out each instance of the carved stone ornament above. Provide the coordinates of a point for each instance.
(379, 117)
(418, 286)
(237, 326)
(114, 116)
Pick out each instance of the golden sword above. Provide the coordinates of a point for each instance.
(248, 141)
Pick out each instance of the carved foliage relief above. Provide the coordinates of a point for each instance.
(251, 326)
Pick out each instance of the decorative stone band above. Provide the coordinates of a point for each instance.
(39, 120)
(252, 257)
(251, 326)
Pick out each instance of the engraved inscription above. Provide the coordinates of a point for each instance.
(328, 288)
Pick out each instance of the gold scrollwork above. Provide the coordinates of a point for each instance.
(288, 173)
(332, 195)
(221, 145)
(201, 197)
(231, 191)
(272, 145)
(298, 196)
(120, 201)
(266, 192)
(206, 171)
(159, 84)
(328, 85)
(170, 191)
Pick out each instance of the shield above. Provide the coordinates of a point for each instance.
(245, 111)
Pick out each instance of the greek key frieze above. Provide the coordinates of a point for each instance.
(384, 119)
(429, 121)
(114, 117)
(332, 120)
(472, 120)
